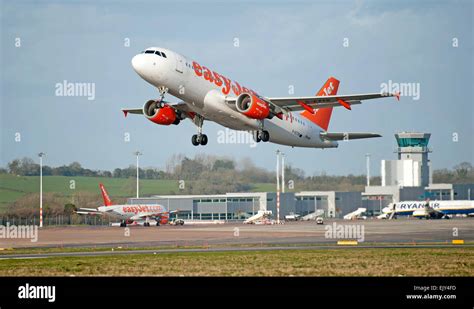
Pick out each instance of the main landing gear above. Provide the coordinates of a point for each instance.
(262, 135)
(199, 139)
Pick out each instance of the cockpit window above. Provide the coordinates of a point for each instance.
(150, 52)
(164, 55)
(158, 53)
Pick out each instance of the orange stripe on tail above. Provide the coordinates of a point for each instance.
(322, 116)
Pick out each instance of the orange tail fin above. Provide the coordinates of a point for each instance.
(322, 116)
(105, 195)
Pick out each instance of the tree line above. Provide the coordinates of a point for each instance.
(221, 170)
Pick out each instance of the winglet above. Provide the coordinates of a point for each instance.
(397, 95)
(125, 112)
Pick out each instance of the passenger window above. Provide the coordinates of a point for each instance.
(158, 53)
(164, 55)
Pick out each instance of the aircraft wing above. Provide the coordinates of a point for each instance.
(315, 102)
(181, 106)
(344, 136)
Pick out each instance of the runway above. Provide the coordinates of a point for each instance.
(224, 249)
(400, 231)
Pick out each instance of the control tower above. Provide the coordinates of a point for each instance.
(412, 169)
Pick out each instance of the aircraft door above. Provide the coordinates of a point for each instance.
(179, 63)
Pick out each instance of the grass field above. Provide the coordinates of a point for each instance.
(13, 187)
(347, 262)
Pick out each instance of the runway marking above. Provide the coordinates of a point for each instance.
(347, 242)
(458, 242)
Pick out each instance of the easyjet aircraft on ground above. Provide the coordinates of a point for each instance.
(128, 214)
(208, 95)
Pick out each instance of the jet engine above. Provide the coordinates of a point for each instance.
(252, 106)
(160, 114)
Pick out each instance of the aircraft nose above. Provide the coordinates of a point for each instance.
(138, 64)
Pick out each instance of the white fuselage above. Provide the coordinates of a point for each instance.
(205, 94)
(133, 212)
(445, 207)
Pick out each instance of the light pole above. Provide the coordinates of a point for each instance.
(41, 155)
(138, 154)
(278, 152)
(367, 156)
(282, 172)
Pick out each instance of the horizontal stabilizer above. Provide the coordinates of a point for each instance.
(344, 136)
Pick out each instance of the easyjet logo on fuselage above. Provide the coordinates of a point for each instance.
(145, 208)
(220, 81)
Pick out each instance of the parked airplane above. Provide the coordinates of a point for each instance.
(428, 209)
(208, 95)
(128, 214)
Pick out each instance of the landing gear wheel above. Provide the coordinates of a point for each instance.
(195, 140)
(262, 135)
(204, 139)
(199, 138)
(157, 223)
(146, 224)
(123, 224)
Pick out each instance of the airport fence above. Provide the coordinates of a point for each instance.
(56, 220)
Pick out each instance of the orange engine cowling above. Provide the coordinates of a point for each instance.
(252, 106)
(164, 220)
(160, 115)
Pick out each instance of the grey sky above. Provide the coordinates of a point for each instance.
(299, 44)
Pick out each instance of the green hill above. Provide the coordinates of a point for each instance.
(14, 187)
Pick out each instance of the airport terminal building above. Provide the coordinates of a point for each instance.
(408, 178)
(239, 206)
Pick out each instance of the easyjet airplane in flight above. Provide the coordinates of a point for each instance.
(208, 95)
